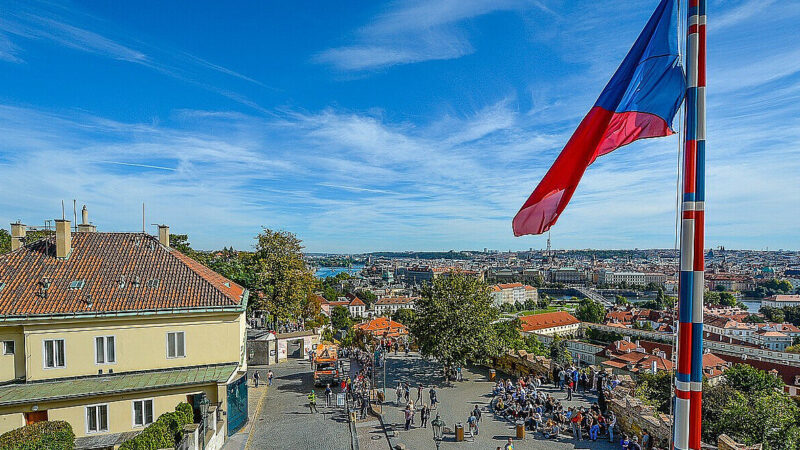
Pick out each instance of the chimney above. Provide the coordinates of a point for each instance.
(654, 366)
(637, 344)
(63, 238)
(18, 231)
(163, 235)
(85, 226)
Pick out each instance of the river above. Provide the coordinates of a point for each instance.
(324, 272)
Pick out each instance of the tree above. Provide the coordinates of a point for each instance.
(655, 389)
(454, 319)
(711, 298)
(507, 308)
(753, 318)
(530, 305)
(283, 277)
(180, 242)
(727, 299)
(405, 316)
(5, 241)
(340, 318)
(748, 379)
(621, 301)
(773, 314)
(559, 352)
(590, 311)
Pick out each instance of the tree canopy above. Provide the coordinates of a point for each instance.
(590, 311)
(283, 276)
(453, 321)
(405, 316)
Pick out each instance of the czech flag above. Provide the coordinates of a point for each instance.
(639, 102)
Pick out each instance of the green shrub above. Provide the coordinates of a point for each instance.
(56, 435)
(165, 432)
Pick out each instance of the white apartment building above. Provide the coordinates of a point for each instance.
(513, 293)
(637, 278)
(388, 305)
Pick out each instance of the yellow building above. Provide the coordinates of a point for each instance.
(110, 330)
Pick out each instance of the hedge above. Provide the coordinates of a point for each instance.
(165, 432)
(56, 435)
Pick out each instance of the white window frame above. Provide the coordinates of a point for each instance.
(144, 415)
(105, 361)
(97, 418)
(176, 333)
(55, 358)
(5, 347)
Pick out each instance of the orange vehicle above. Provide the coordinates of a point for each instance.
(326, 370)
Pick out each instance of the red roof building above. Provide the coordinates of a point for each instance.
(559, 322)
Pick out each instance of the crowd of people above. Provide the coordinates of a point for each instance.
(540, 412)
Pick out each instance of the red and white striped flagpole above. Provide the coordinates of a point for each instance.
(689, 377)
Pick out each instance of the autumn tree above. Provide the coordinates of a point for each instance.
(282, 274)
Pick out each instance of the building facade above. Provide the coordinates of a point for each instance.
(511, 293)
(108, 331)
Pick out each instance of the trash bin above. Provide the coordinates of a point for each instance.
(492, 374)
(520, 429)
(459, 432)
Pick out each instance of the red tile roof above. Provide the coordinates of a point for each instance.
(118, 271)
(382, 326)
(547, 320)
(395, 300)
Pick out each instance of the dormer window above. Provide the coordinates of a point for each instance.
(77, 284)
(2, 285)
(153, 282)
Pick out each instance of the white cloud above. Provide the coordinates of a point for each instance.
(416, 31)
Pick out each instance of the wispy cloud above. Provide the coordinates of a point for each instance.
(56, 25)
(416, 31)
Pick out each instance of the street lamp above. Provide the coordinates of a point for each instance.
(437, 425)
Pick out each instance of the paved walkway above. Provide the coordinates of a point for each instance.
(285, 420)
(456, 401)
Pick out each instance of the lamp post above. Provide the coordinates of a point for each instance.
(438, 427)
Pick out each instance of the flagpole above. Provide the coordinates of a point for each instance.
(689, 377)
(695, 417)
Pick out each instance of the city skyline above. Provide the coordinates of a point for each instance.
(386, 127)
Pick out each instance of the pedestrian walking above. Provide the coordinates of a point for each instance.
(407, 391)
(256, 377)
(364, 405)
(459, 376)
(270, 376)
(328, 395)
(472, 423)
(575, 421)
(477, 413)
(434, 400)
(509, 445)
(408, 416)
(612, 420)
(399, 392)
(569, 391)
(419, 392)
(312, 402)
(424, 414)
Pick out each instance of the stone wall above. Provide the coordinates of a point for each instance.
(633, 417)
(521, 363)
(724, 442)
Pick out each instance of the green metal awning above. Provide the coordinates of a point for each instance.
(41, 391)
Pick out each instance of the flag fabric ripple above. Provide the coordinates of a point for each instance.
(639, 102)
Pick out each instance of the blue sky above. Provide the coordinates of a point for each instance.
(369, 125)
